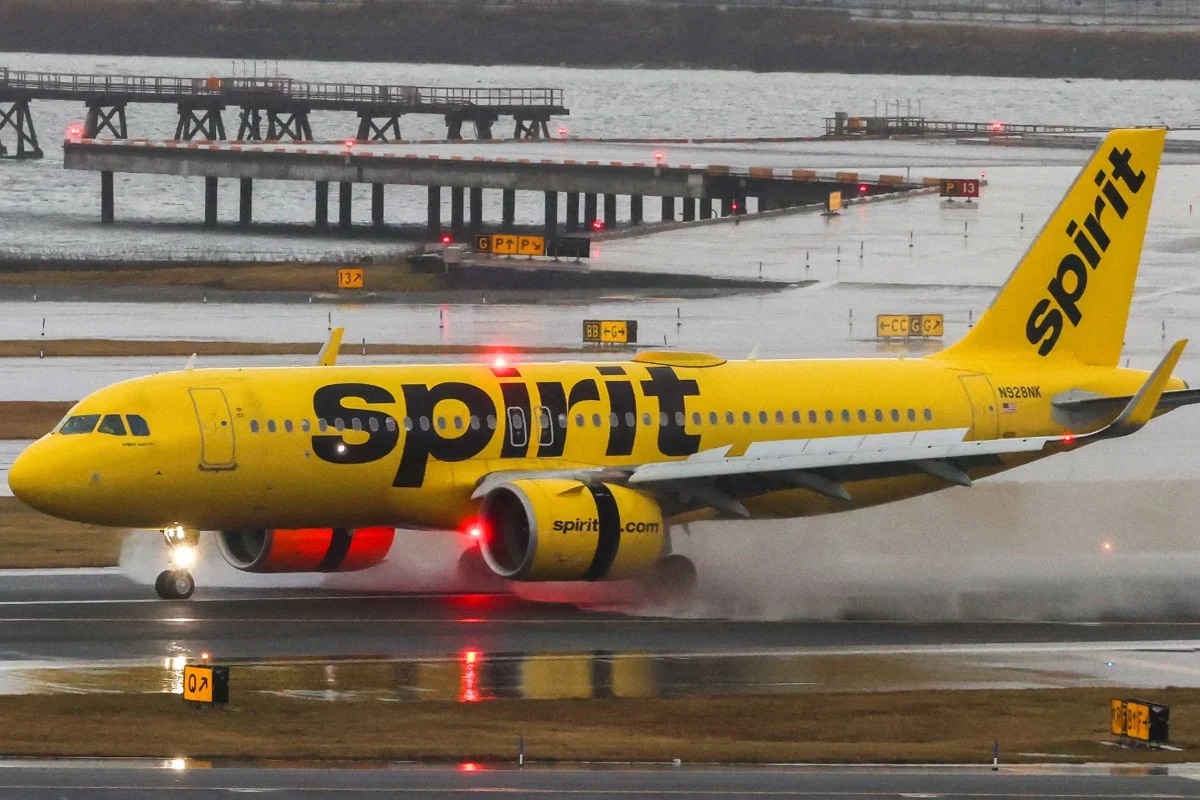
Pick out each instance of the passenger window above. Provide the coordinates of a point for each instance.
(356, 424)
(928, 415)
(713, 418)
(845, 415)
(862, 415)
(595, 420)
(613, 420)
(138, 426)
(829, 415)
(339, 424)
(796, 417)
(491, 421)
(83, 423)
(322, 425)
(729, 418)
(408, 423)
(663, 419)
(579, 420)
(812, 417)
(912, 415)
(562, 420)
(878, 415)
(424, 423)
(112, 424)
(895, 415)
(630, 419)
(746, 417)
(390, 424)
(287, 425)
(270, 426)
(458, 423)
(763, 418)
(373, 424)
(254, 426)
(680, 419)
(305, 425)
(441, 423)
(696, 418)
(474, 422)
(646, 419)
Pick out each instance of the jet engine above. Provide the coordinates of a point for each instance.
(305, 549)
(566, 530)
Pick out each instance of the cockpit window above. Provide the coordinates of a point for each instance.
(113, 424)
(137, 425)
(80, 423)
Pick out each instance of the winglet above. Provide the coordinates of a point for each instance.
(1141, 407)
(191, 363)
(329, 353)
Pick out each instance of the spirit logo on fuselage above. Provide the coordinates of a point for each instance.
(427, 440)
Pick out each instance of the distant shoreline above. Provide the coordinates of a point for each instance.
(583, 35)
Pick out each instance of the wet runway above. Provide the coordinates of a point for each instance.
(132, 781)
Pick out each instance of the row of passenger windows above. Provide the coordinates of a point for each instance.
(517, 420)
(111, 424)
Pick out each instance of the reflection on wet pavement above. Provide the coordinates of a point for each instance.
(476, 676)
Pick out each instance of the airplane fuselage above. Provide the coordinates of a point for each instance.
(353, 446)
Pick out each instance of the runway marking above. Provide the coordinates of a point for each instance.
(525, 791)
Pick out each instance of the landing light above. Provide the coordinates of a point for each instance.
(178, 763)
(341, 449)
(1107, 547)
(183, 556)
(468, 766)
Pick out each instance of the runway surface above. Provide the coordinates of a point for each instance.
(100, 780)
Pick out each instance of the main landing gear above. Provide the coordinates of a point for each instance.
(177, 583)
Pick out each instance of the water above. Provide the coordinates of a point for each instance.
(47, 210)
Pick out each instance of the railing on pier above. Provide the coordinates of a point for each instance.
(164, 89)
(846, 125)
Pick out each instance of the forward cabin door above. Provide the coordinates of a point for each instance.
(216, 429)
(985, 421)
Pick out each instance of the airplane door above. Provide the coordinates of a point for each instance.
(545, 421)
(216, 429)
(985, 422)
(518, 434)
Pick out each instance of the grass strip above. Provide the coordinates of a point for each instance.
(30, 539)
(889, 727)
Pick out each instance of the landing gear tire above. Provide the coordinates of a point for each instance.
(175, 584)
(673, 580)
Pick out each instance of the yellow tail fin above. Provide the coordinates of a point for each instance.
(1069, 296)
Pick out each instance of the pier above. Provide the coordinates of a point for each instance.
(269, 109)
(590, 188)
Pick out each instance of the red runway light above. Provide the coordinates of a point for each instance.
(659, 155)
(468, 766)
(447, 238)
(597, 225)
(862, 188)
(349, 143)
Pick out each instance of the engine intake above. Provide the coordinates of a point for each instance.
(305, 549)
(566, 530)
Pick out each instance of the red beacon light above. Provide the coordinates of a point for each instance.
(447, 238)
(597, 225)
(862, 188)
(563, 130)
(997, 126)
(75, 131)
(659, 155)
(349, 143)
(499, 362)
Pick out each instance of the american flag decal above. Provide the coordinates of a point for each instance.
(1008, 408)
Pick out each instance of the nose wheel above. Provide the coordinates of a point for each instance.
(176, 582)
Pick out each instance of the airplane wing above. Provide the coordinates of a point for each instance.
(717, 480)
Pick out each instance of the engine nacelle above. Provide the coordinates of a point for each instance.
(305, 549)
(566, 530)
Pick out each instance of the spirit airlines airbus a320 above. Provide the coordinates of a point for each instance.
(576, 471)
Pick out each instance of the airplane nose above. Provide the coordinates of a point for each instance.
(30, 478)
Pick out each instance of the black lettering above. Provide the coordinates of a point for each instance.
(328, 404)
(664, 384)
(1115, 200)
(1122, 170)
(421, 445)
(1092, 223)
(1084, 244)
(622, 402)
(1044, 326)
(1067, 301)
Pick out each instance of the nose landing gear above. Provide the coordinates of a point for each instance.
(177, 583)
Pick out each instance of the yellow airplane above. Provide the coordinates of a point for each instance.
(577, 471)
